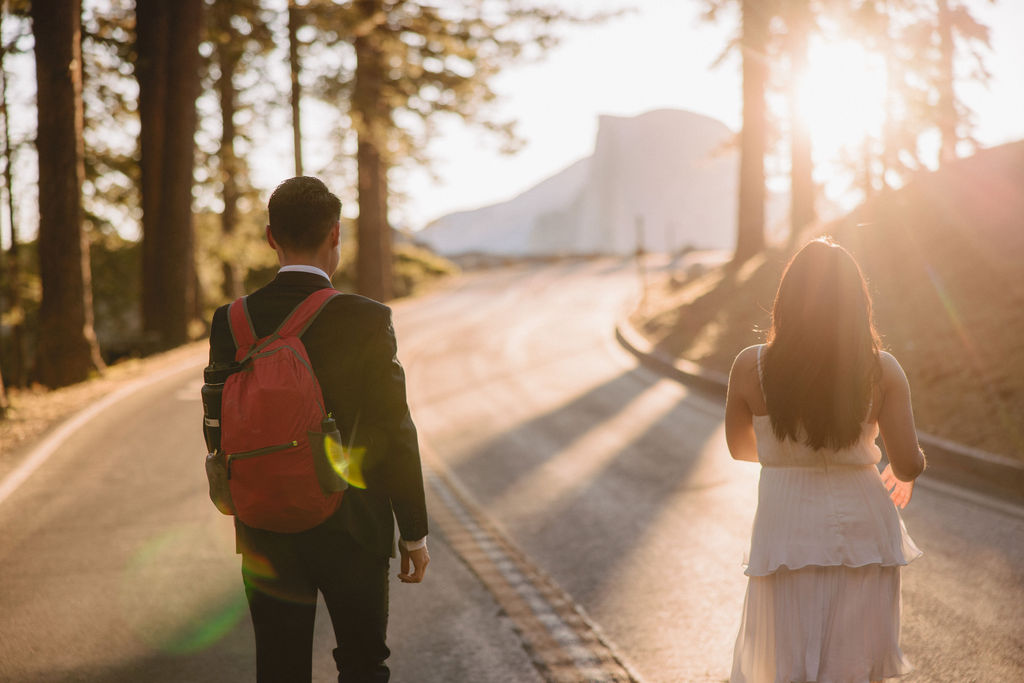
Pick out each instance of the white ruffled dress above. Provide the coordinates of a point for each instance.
(823, 597)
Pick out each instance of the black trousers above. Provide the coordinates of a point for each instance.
(283, 574)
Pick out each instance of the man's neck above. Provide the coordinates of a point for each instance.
(320, 263)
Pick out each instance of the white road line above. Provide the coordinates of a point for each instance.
(44, 450)
(1006, 507)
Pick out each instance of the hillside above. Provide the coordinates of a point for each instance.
(674, 170)
(944, 257)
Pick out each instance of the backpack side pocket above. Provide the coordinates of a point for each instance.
(217, 477)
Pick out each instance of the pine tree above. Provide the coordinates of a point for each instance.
(756, 58)
(918, 40)
(238, 36)
(799, 22)
(108, 95)
(750, 238)
(954, 24)
(167, 68)
(66, 351)
(14, 312)
(413, 62)
(295, 20)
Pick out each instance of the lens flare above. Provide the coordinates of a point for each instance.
(259, 575)
(256, 567)
(974, 356)
(347, 462)
(165, 606)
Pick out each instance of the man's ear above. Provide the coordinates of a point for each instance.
(335, 234)
(270, 239)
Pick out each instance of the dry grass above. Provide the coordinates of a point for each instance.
(945, 261)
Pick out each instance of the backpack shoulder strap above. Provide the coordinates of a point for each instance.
(303, 315)
(242, 330)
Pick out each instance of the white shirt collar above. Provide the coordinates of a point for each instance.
(304, 269)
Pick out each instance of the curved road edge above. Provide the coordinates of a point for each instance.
(949, 462)
(38, 450)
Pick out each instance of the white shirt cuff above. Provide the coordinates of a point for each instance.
(413, 545)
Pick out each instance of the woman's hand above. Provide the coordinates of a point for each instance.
(899, 491)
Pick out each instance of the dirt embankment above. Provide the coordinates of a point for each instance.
(944, 258)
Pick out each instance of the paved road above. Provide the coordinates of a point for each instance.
(610, 480)
(114, 567)
(617, 482)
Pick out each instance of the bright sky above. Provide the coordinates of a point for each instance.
(657, 56)
(660, 56)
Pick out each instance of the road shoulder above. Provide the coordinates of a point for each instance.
(952, 463)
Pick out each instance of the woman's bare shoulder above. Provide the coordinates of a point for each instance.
(892, 371)
(743, 377)
(747, 358)
(894, 382)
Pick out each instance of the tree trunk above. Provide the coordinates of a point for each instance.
(66, 351)
(750, 228)
(373, 123)
(151, 22)
(4, 403)
(167, 71)
(294, 21)
(228, 56)
(801, 206)
(373, 260)
(946, 106)
(16, 375)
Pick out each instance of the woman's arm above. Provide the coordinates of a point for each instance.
(739, 418)
(896, 422)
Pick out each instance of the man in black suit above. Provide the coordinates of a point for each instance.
(352, 350)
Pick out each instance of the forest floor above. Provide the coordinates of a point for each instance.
(943, 261)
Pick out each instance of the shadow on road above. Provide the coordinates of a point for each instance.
(598, 469)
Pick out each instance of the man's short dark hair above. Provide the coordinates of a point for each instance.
(302, 211)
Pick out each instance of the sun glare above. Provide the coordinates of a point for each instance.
(842, 98)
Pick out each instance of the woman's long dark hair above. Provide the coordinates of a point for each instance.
(822, 356)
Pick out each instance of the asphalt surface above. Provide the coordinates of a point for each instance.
(609, 486)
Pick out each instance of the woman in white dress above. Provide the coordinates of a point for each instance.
(827, 546)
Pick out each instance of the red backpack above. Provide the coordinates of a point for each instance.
(273, 423)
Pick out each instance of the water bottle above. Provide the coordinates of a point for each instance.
(328, 456)
(214, 377)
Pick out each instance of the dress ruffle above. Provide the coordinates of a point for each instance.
(827, 548)
(854, 525)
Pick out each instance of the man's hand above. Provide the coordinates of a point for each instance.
(899, 491)
(420, 559)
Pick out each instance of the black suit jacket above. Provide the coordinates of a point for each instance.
(353, 352)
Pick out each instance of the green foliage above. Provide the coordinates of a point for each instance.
(245, 248)
(416, 268)
(440, 60)
(116, 283)
(30, 291)
(115, 291)
(907, 35)
(397, 67)
(110, 194)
